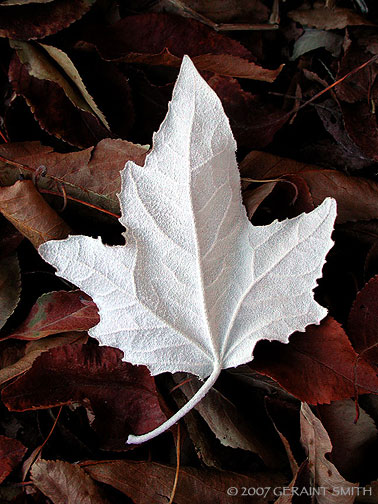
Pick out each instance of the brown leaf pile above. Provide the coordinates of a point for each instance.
(83, 86)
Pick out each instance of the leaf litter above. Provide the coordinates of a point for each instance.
(318, 139)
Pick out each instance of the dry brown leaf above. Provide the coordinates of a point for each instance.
(328, 19)
(26, 209)
(10, 286)
(356, 196)
(65, 483)
(324, 474)
(91, 175)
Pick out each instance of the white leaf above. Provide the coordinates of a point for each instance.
(196, 285)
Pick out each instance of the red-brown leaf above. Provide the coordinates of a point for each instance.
(147, 482)
(11, 454)
(363, 322)
(318, 366)
(115, 390)
(58, 312)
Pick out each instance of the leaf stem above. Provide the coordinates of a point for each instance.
(198, 396)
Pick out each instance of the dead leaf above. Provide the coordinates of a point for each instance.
(163, 39)
(46, 62)
(363, 322)
(91, 175)
(40, 19)
(58, 312)
(355, 196)
(353, 442)
(26, 22)
(324, 474)
(65, 483)
(318, 366)
(33, 350)
(11, 454)
(324, 18)
(221, 11)
(10, 286)
(228, 425)
(53, 110)
(312, 39)
(26, 209)
(195, 486)
(254, 121)
(116, 390)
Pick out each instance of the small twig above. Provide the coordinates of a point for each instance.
(53, 193)
(339, 81)
(180, 385)
(178, 442)
(3, 136)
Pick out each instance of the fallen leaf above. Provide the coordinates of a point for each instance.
(10, 286)
(208, 307)
(221, 11)
(65, 483)
(324, 18)
(355, 196)
(228, 425)
(11, 454)
(353, 443)
(115, 390)
(26, 22)
(91, 175)
(317, 444)
(33, 350)
(319, 366)
(46, 62)
(252, 198)
(253, 121)
(363, 322)
(53, 110)
(163, 39)
(58, 312)
(315, 39)
(26, 209)
(195, 486)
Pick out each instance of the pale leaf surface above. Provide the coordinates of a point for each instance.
(196, 285)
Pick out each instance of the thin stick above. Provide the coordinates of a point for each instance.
(349, 74)
(178, 448)
(53, 193)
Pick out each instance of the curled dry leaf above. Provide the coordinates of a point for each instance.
(115, 390)
(195, 486)
(91, 175)
(26, 209)
(12, 452)
(355, 196)
(324, 474)
(58, 312)
(319, 366)
(35, 20)
(10, 286)
(196, 286)
(65, 483)
(324, 18)
(163, 39)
